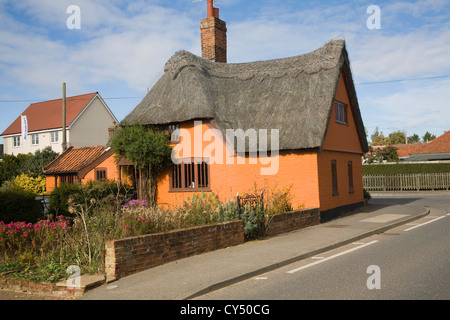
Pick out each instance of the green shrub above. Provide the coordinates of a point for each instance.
(19, 205)
(59, 198)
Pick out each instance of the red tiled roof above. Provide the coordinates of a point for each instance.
(405, 150)
(75, 159)
(439, 145)
(48, 114)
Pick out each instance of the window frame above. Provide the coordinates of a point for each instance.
(174, 132)
(101, 171)
(351, 188)
(334, 178)
(16, 141)
(35, 139)
(53, 135)
(190, 176)
(68, 179)
(341, 110)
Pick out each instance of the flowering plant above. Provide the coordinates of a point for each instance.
(20, 236)
(135, 205)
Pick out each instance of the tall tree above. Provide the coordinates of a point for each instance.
(378, 138)
(397, 137)
(414, 138)
(150, 152)
(427, 137)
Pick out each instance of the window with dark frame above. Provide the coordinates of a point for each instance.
(67, 179)
(341, 113)
(174, 132)
(334, 177)
(190, 177)
(350, 177)
(100, 175)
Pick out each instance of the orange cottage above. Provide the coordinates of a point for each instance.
(288, 122)
(79, 165)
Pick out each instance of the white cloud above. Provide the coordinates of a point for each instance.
(118, 48)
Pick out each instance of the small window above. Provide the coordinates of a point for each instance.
(341, 112)
(54, 136)
(350, 177)
(190, 177)
(100, 175)
(67, 179)
(16, 141)
(35, 139)
(334, 177)
(174, 132)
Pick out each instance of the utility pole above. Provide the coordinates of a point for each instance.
(64, 142)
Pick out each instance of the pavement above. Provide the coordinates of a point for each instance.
(192, 277)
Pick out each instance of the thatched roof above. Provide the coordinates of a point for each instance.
(294, 95)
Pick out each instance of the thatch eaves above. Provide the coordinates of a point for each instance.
(294, 95)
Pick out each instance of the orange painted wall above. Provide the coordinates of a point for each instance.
(342, 137)
(111, 170)
(111, 174)
(341, 144)
(345, 197)
(297, 169)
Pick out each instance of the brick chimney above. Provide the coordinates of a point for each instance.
(214, 36)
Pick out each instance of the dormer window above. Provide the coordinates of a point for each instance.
(174, 132)
(341, 113)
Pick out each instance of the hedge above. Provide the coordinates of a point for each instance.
(19, 206)
(405, 168)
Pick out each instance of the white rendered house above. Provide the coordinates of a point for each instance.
(87, 121)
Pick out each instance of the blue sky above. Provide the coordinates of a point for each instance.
(122, 46)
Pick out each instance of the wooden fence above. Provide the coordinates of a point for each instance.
(401, 182)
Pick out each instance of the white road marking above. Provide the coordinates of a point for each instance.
(332, 257)
(261, 278)
(422, 224)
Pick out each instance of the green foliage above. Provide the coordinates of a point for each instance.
(19, 205)
(11, 166)
(34, 164)
(42, 251)
(256, 220)
(98, 190)
(414, 139)
(148, 149)
(30, 184)
(59, 198)
(378, 138)
(387, 154)
(427, 137)
(29, 164)
(143, 146)
(397, 137)
(405, 168)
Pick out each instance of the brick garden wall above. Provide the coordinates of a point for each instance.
(128, 256)
(290, 221)
(132, 255)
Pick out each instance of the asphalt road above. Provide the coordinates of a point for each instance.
(410, 262)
